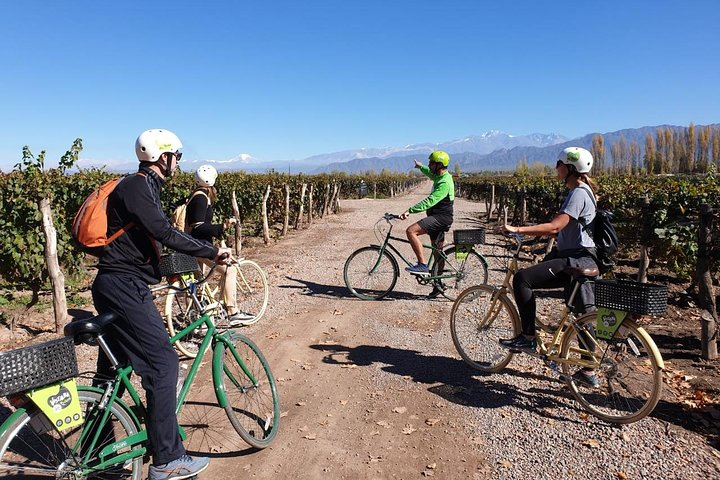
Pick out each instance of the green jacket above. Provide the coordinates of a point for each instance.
(440, 201)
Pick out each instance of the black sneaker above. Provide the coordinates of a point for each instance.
(519, 344)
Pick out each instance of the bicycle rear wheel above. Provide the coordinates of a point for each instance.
(252, 290)
(628, 368)
(470, 270)
(31, 447)
(478, 320)
(246, 389)
(370, 275)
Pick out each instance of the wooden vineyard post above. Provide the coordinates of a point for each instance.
(299, 218)
(57, 279)
(287, 210)
(327, 201)
(266, 227)
(310, 203)
(335, 198)
(709, 316)
(374, 190)
(646, 234)
(492, 201)
(238, 225)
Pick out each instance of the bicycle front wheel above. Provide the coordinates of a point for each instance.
(627, 370)
(370, 274)
(252, 290)
(479, 318)
(468, 270)
(180, 311)
(31, 447)
(246, 389)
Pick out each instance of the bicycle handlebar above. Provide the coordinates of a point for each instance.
(391, 216)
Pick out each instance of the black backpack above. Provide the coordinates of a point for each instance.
(603, 233)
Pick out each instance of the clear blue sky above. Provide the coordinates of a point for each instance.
(283, 80)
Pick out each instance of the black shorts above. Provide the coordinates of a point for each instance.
(436, 226)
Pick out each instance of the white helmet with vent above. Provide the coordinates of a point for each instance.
(153, 143)
(205, 176)
(578, 157)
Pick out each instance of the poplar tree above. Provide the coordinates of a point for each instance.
(598, 152)
(661, 161)
(690, 148)
(668, 154)
(634, 152)
(715, 140)
(650, 154)
(703, 147)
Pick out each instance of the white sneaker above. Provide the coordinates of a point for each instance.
(240, 318)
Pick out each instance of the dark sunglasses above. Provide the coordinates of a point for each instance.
(178, 155)
(559, 162)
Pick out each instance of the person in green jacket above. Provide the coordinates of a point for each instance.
(439, 208)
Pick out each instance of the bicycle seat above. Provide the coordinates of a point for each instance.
(87, 329)
(578, 272)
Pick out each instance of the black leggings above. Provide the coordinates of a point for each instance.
(550, 274)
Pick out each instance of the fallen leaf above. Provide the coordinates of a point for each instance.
(383, 423)
(310, 436)
(300, 404)
(432, 466)
(621, 475)
(408, 429)
(427, 473)
(399, 409)
(505, 463)
(432, 421)
(592, 443)
(343, 402)
(352, 365)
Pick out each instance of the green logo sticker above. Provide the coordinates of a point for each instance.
(608, 321)
(461, 251)
(573, 156)
(60, 403)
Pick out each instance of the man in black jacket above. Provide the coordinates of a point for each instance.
(125, 269)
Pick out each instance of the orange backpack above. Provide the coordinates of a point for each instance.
(89, 227)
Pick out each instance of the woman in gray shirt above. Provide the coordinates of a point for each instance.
(575, 247)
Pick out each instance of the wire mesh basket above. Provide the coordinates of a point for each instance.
(176, 263)
(475, 236)
(37, 365)
(628, 296)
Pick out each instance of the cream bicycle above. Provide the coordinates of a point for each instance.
(607, 346)
(179, 309)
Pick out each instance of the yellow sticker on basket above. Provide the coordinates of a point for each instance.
(461, 251)
(60, 403)
(608, 321)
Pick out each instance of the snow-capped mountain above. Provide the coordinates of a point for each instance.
(482, 144)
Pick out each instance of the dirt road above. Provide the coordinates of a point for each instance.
(376, 390)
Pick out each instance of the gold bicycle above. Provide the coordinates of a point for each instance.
(607, 346)
(179, 309)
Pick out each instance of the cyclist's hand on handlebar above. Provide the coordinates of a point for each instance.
(405, 214)
(229, 222)
(224, 256)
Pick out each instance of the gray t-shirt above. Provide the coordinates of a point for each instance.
(579, 206)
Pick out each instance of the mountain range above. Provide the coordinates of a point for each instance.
(490, 151)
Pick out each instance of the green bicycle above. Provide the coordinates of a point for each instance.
(371, 272)
(108, 439)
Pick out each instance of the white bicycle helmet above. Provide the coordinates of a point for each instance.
(578, 157)
(153, 143)
(205, 176)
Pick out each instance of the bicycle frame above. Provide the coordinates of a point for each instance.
(549, 351)
(436, 254)
(108, 456)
